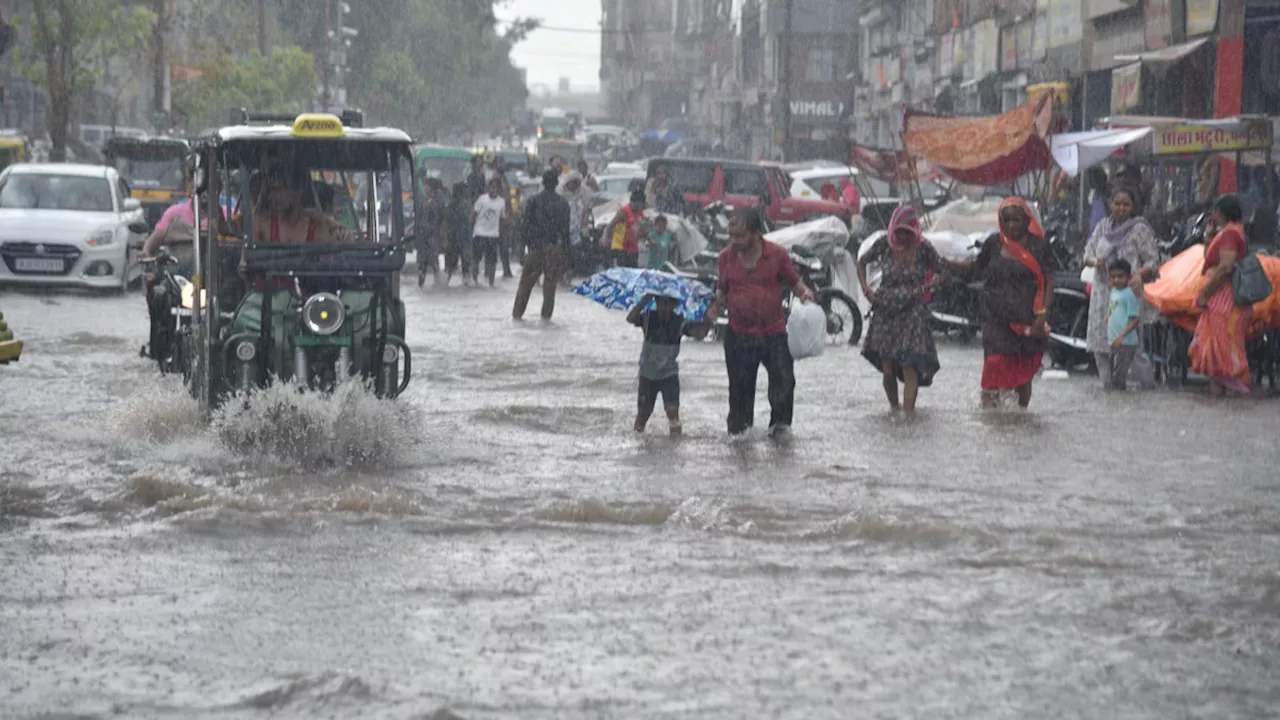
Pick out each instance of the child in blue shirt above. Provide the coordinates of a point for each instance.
(659, 244)
(1122, 323)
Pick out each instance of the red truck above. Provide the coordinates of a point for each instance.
(744, 184)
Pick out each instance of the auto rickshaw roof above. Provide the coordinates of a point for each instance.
(310, 127)
(433, 150)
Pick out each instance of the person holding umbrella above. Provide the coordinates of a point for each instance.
(753, 272)
(663, 328)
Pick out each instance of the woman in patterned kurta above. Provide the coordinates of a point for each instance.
(1123, 235)
(899, 343)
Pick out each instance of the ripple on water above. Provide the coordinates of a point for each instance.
(561, 420)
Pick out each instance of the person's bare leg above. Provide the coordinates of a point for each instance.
(673, 420)
(890, 378)
(642, 419)
(910, 388)
(1024, 396)
(990, 399)
(1217, 389)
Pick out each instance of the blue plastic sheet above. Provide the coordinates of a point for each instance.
(622, 288)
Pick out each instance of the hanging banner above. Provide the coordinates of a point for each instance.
(1202, 17)
(947, 55)
(964, 53)
(1065, 22)
(1009, 48)
(1158, 23)
(1026, 38)
(1040, 38)
(1126, 88)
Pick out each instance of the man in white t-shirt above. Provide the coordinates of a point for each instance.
(487, 218)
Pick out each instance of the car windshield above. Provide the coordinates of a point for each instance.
(56, 192)
(617, 186)
(691, 177)
(448, 170)
(152, 172)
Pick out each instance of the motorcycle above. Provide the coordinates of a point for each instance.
(169, 300)
(1185, 234)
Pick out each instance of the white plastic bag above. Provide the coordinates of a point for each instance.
(806, 330)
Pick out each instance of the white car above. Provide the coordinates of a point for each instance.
(69, 226)
(808, 183)
(618, 186)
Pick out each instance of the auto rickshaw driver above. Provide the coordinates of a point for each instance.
(284, 219)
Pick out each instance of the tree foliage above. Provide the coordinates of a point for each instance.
(428, 65)
(75, 40)
(283, 82)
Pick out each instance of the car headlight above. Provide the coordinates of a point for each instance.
(814, 263)
(102, 238)
(323, 313)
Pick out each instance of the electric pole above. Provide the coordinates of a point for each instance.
(786, 80)
(159, 64)
(262, 27)
(326, 63)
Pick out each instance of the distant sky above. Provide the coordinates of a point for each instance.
(552, 54)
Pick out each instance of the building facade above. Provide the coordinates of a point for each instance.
(1182, 58)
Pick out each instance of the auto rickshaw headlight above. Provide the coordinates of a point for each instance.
(323, 313)
(245, 351)
(390, 354)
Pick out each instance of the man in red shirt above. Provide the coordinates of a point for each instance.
(753, 272)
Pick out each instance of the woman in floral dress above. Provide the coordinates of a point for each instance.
(899, 343)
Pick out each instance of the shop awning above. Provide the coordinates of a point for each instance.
(1160, 59)
(1082, 150)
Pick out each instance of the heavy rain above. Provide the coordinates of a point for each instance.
(333, 334)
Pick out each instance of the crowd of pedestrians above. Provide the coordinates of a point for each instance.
(755, 274)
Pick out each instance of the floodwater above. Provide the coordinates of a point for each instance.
(499, 544)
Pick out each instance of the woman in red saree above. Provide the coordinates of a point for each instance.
(1218, 348)
(1014, 302)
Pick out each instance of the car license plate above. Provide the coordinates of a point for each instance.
(46, 265)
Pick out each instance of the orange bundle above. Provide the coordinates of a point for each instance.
(1174, 294)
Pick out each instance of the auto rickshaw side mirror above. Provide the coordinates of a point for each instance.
(137, 227)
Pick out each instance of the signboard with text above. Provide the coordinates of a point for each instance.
(1193, 139)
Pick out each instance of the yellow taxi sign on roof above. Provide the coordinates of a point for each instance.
(318, 125)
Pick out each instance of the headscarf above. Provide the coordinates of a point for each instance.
(1023, 255)
(904, 218)
(577, 202)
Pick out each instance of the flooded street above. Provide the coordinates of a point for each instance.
(509, 549)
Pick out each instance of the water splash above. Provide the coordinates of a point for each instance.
(350, 427)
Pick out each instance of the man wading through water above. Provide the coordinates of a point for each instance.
(429, 228)
(546, 234)
(753, 272)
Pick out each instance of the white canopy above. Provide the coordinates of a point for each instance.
(1082, 150)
